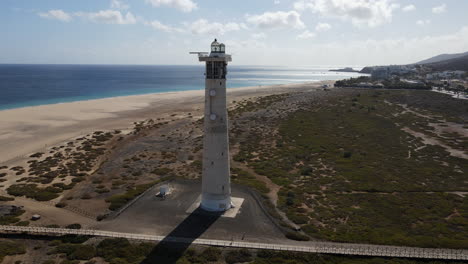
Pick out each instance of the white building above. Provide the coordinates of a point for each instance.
(445, 75)
(385, 72)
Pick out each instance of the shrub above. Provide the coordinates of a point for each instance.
(117, 201)
(11, 248)
(211, 254)
(22, 223)
(297, 236)
(32, 191)
(12, 217)
(74, 239)
(73, 226)
(77, 251)
(298, 219)
(5, 199)
(101, 217)
(36, 155)
(119, 250)
(307, 171)
(161, 171)
(61, 205)
(238, 256)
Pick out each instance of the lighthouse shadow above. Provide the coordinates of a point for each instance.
(168, 251)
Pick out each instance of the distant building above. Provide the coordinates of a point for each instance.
(414, 82)
(379, 73)
(445, 75)
(385, 72)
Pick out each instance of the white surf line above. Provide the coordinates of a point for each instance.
(312, 247)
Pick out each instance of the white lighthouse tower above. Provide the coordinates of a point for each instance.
(216, 182)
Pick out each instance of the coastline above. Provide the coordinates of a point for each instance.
(34, 128)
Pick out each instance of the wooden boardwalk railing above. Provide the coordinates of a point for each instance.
(312, 247)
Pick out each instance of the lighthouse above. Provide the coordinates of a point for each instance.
(216, 182)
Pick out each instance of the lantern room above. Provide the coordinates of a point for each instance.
(217, 47)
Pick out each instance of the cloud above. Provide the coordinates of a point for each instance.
(396, 50)
(439, 9)
(371, 13)
(183, 5)
(362, 51)
(245, 46)
(322, 27)
(276, 2)
(108, 17)
(276, 20)
(260, 35)
(57, 14)
(202, 26)
(423, 22)
(162, 27)
(117, 4)
(408, 8)
(306, 35)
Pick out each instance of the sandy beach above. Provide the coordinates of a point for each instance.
(30, 129)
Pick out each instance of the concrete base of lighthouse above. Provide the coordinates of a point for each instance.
(215, 203)
(235, 202)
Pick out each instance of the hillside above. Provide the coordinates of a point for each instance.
(442, 57)
(460, 63)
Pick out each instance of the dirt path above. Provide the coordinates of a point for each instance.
(433, 141)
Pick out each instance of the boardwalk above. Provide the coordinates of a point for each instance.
(312, 247)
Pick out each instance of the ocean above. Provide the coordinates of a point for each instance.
(30, 85)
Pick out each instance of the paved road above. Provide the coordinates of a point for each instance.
(312, 247)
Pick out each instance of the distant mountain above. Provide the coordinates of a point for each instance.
(459, 63)
(367, 69)
(347, 69)
(443, 62)
(442, 57)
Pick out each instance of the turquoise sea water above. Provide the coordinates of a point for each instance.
(29, 85)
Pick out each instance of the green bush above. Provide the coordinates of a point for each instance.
(34, 192)
(119, 200)
(211, 254)
(6, 199)
(11, 248)
(297, 236)
(11, 218)
(73, 226)
(118, 250)
(74, 239)
(61, 205)
(161, 171)
(77, 251)
(245, 178)
(298, 218)
(238, 256)
(22, 223)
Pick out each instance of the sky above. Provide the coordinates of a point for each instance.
(256, 32)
